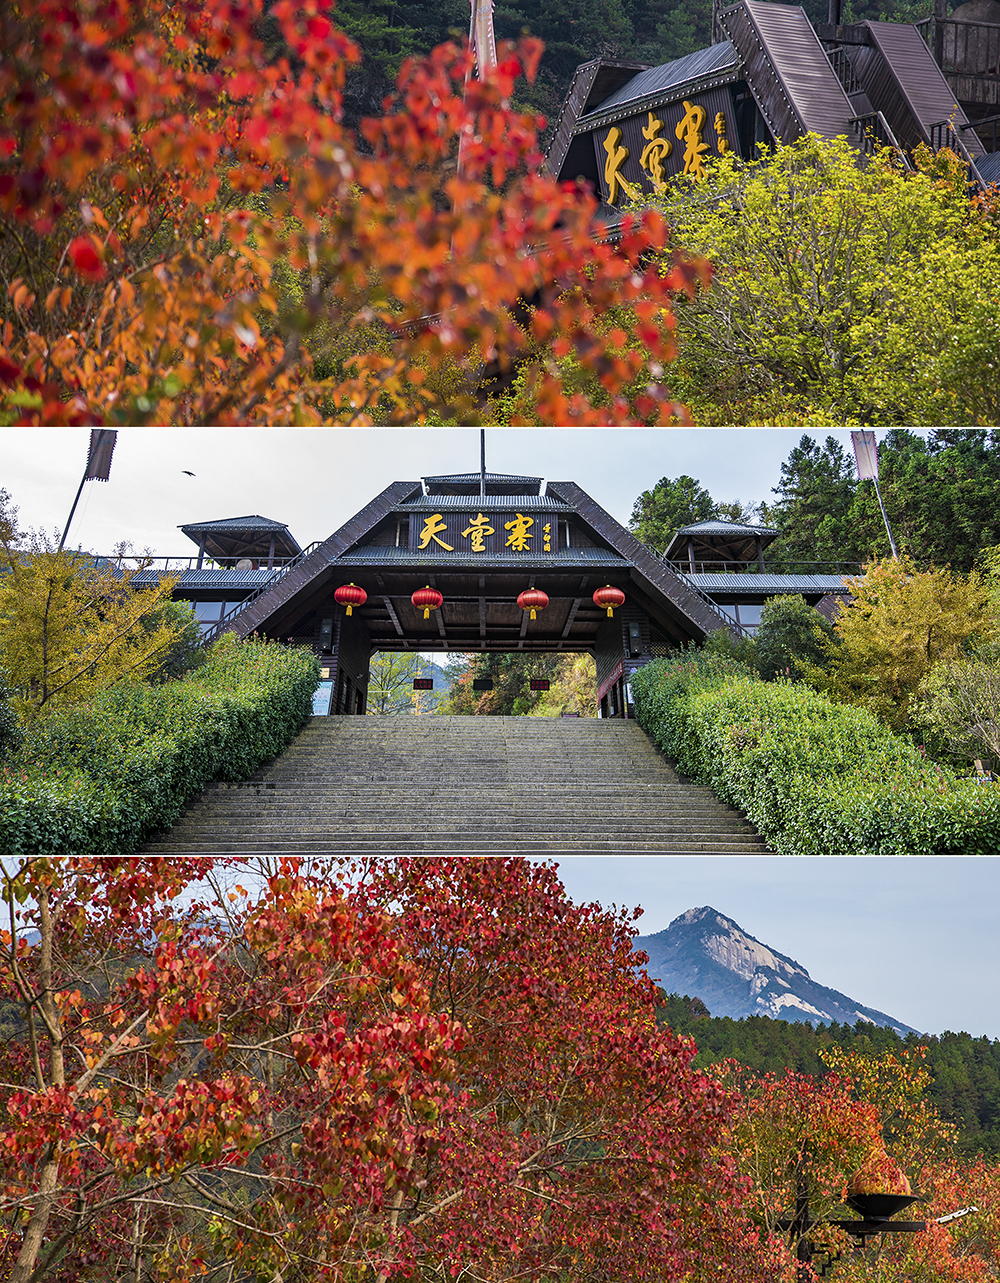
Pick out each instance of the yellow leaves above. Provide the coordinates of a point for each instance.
(900, 622)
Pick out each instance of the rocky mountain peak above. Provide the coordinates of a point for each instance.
(707, 955)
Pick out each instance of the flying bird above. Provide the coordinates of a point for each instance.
(186, 473)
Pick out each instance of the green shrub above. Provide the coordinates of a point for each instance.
(101, 777)
(790, 631)
(816, 778)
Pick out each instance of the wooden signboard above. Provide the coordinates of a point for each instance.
(511, 534)
(636, 156)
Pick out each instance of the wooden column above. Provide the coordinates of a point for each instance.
(937, 30)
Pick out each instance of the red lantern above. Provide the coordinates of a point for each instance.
(533, 599)
(350, 595)
(429, 598)
(610, 597)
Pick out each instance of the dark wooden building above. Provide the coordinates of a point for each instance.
(480, 551)
(626, 129)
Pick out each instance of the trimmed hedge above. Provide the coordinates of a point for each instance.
(100, 778)
(814, 777)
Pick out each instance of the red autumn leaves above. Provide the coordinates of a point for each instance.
(186, 186)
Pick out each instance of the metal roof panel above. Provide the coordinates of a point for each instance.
(725, 528)
(714, 585)
(669, 75)
(255, 522)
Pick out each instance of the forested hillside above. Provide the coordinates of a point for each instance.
(939, 492)
(633, 30)
(965, 1069)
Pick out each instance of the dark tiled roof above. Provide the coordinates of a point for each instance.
(725, 528)
(567, 559)
(508, 502)
(236, 523)
(658, 82)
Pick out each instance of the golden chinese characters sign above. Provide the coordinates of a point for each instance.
(508, 534)
(639, 155)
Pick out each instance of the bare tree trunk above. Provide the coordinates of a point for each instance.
(37, 1225)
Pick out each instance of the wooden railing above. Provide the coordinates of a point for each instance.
(873, 132)
(963, 48)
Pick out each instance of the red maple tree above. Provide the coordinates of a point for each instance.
(436, 1069)
(192, 235)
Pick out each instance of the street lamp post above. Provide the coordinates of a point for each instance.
(875, 1219)
(875, 1211)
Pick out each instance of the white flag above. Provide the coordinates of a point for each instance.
(866, 455)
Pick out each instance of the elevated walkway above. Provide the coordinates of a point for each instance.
(467, 786)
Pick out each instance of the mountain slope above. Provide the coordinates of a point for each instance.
(706, 955)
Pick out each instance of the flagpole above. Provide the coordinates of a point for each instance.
(75, 502)
(98, 467)
(888, 528)
(866, 457)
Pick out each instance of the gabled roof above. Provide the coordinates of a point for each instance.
(726, 528)
(719, 541)
(235, 523)
(235, 538)
(667, 80)
(498, 483)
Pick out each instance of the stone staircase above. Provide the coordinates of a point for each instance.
(463, 786)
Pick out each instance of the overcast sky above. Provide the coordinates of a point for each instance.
(315, 479)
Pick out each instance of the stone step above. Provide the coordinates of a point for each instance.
(469, 786)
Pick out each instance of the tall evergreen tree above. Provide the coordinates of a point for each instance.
(671, 503)
(815, 494)
(941, 493)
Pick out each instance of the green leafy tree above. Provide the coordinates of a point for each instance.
(814, 497)
(390, 683)
(827, 304)
(900, 622)
(510, 674)
(940, 494)
(960, 702)
(672, 503)
(186, 652)
(791, 633)
(573, 33)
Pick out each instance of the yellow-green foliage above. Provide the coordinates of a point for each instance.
(70, 628)
(900, 622)
(842, 292)
(573, 689)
